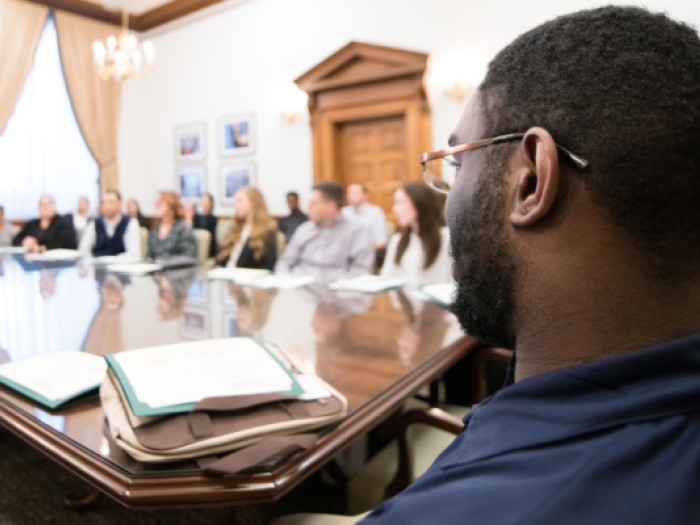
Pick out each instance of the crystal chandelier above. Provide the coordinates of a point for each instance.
(123, 57)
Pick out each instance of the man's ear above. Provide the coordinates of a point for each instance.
(537, 183)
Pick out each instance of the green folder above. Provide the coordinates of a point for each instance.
(75, 396)
(140, 409)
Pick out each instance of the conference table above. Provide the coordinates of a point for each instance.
(377, 350)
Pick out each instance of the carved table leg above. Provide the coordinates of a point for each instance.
(80, 503)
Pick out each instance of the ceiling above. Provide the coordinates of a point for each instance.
(144, 14)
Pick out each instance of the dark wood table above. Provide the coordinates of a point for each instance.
(377, 350)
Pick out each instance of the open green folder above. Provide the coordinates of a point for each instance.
(55, 379)
(171, 379)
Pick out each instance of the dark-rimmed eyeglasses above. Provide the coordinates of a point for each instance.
(434, 179)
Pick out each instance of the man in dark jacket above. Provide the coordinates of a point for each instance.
(207, 221)
(48, 232)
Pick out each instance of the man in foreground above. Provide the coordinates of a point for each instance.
(576, 242)
(328, 246)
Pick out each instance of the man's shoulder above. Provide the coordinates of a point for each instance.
(307, 226)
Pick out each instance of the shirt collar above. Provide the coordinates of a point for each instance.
(640, 385)
(114, 221)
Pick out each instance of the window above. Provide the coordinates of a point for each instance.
(42, 151)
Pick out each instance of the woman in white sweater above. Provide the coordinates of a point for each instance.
(418, 253)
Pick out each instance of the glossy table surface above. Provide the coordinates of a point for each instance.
(377, 350)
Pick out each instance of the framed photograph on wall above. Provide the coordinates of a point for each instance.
(230, 325)
(191, 181)
(236, 135)
(191, 141)
(232, 176)
(195, 323)
(198, 292)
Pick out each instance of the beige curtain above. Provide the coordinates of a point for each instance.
(95, 101)
(21, 24)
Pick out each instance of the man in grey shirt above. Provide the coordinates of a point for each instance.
(328, 246)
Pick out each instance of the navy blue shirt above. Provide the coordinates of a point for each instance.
(614, 441)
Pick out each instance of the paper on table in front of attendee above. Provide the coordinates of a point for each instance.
(440, 292)
(313, 388)
(367, 283)
(60, 254)
(9, 250)
(56, 376)
(282, 281)
(105, 260)
(134, 268)
(241, 276)
(170, 375)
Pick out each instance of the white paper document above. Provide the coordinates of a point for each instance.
(282, 281)
(440, 292)
(189, 372)
(242, 276)
(57, 375)
(60, 254)
(367, 283)
(113, 259)
(9, 250)
(134, 268)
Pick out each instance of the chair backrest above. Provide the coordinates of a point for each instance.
(281, 243)
(390, 229)
(144, 241)
(203, 238)
(222, 228)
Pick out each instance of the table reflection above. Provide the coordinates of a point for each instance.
(359, 343)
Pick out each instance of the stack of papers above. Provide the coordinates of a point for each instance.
(134, 269)
(56, 378)
(260, 278)
(440, 293)
(173, 378)
(242, 276)
(367, 283)
(61, 254)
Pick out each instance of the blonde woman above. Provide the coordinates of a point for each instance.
(252, 240)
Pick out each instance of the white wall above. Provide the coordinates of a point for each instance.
(243, 59)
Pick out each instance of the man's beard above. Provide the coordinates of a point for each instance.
(483, 265)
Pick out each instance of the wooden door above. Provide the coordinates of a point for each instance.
(372, 152)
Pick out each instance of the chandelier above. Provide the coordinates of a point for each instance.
(123, 57)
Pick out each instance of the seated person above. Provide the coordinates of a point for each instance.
(251, 242)
(80, 218)
(48, 232)
(589, 267)
(328, 246)
(171, 237)
(189, 210)
(112, 233)
(207, 221)
(359, 209)
(134, 211)
(291, 222)
(7, 229)
(418, 253)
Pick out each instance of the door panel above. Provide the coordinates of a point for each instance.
(372, 152)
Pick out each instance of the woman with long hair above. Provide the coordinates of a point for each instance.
(134, 211)
(170, 236)
(251, 242)
(418, 252)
